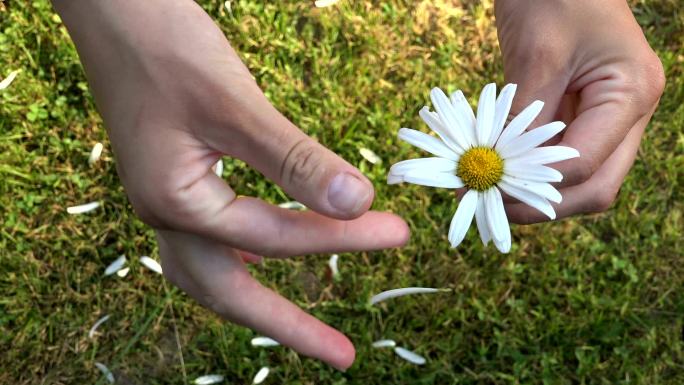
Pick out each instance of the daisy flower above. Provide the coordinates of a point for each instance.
(485, 158)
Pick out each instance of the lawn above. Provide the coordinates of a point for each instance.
(588, 300)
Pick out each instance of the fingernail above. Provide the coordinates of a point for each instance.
(348, 193)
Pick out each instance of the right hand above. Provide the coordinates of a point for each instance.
(175, 98)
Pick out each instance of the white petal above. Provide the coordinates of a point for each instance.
(463, 217)
(529, 198)
(423, 164)
(332, 263)
(384, 344)
(530, 140)
(503, 107)
(208, 379)
(97, 324)
(465, 116)
(496, 216)
(533, 172)
(218, 168)
(428, 143)
(409, 356)
(264, 342)
(325, 3)
(123, 272)
(116, 265)
(9, 79)
(441, 128)
(261, 375)
(293, 205)
(447, 115)
(106, 372)
(481, 220)
(95, 153)
(370, 156)
(518, 125)
(485, 114)
(504, 246)
(545, 155)
(385, 295)
(151, 264)
(434, 179)
(543, 189)
(394, 178)
(81, 209)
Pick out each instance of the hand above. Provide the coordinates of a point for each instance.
(592, 66)
(175, 98)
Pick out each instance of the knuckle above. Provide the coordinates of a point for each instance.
(585, 168)
(644, 81)
(653, 76)
(603, 199)
(301, 162)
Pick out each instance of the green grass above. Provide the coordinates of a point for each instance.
(589, 300)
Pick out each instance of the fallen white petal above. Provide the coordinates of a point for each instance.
(151, 264)
(402, 292)
(261, 375)
(123, 272)
(107, 373)
(97, 324)
(409, 356)
(9, 79)
(384, 344)
(370, 156)
(218, 167)
(116, 265)
(228, 6)
(95, 153)
(294, 205)
(332, 263)
(325, 3)
(80, 209)
(208, 379)
(264, 341)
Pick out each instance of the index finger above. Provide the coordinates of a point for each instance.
(216, 277)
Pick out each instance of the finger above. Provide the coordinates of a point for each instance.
(248, 257)
(215, 276)
(305, 169)
(595, 195)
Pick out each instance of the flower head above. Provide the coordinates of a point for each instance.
(485, 158)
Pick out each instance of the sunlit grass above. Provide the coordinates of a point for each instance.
(593, 299)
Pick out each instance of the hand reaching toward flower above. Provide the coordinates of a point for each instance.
(592, 66)
(175, 98)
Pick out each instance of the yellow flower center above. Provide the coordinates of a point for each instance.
(480, 168)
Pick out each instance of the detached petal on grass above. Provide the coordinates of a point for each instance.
(81, 209)
(402, 292)
(116, 265)
(151, 264)
(264, 342)
(95, 153)
(97, 324)
(325, 3)
(332, 263)
(9, 79)
(106, 372)
(208, 379)
(370, 156)
(261, 375)
(123, 272)
(218, 168)
(409, 356)
(384, 344)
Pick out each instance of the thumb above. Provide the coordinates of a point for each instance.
(304, 168)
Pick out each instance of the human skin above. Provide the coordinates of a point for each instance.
(590, 63)
(175, 97)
